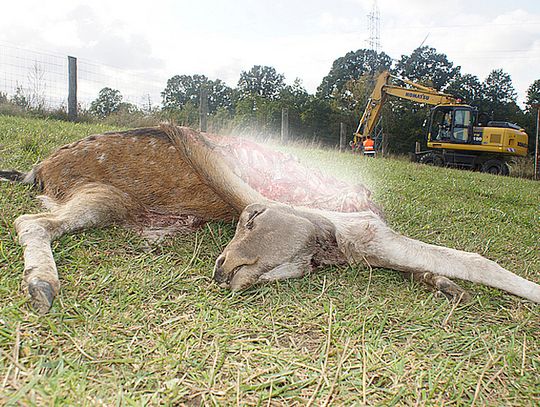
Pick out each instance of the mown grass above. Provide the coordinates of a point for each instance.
(138, 324)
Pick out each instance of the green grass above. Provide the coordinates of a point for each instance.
(138, 324)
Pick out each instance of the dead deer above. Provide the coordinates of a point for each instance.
(174, 178)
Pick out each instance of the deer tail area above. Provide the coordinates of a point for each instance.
(17, 176)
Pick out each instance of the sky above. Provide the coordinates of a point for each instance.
(155, 40)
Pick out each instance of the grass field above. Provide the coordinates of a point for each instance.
(138, 324)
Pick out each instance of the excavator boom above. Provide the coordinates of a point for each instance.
(384, 86)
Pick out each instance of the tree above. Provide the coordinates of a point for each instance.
(321, 120)
(427, 66)
(20, 99)
(351, 67)
(36, 81)
(499, 97)
(182, 89)
(468, 88)
(533, 94)
(261, 81)
(403, 123)
(355, 94)
(498, 87)
(294, 95)
(531, 118)
(255, 114)
(128, 108)
(220, 121)
(294, 98)
(107, 102)
(219, 96)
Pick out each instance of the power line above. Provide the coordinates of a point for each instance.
(437, 27)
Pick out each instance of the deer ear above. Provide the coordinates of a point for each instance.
(252, 216)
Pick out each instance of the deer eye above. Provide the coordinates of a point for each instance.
(252, 216)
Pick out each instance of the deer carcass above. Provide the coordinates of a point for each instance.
(289, 220)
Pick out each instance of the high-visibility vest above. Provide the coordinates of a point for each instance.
(368, 145)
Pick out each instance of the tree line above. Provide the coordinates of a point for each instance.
(255, 104)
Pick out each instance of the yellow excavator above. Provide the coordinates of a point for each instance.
(456, 136)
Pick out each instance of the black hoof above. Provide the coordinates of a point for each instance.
(454, 292)
(41, 296)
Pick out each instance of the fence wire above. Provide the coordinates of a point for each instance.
(39, 77)
(42, 79)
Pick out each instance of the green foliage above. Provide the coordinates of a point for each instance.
(425, 65)
(127, 108)
(531, 116)
(351, 67)
(467, 87)
(184, 89)
(258, 115)
(255, 105)
(188, 115)
(20, 98)
(498, 89)
(404, 124)
(294, 98)
(499, 97)
(263, 81)
(108, 101)
(355, 94)
(220, 121)
(322, 121)
(533, 94)
(294, 95)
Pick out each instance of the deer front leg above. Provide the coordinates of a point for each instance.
(441, 284)
(285, 271)
(369, 238)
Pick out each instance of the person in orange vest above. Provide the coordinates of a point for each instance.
(369, 147)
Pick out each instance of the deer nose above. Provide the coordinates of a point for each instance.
(219, 275)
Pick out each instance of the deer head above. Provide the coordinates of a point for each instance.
(273, 240)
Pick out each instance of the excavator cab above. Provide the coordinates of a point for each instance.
(459, 137)
(451, 124)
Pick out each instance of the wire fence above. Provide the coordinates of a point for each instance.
(41, 78)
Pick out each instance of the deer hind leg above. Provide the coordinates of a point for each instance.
(94, 205)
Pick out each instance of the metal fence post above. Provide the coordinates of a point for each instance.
(536, 150)
(284, 125)
(72, 88)
(342, 136)
(203, 110)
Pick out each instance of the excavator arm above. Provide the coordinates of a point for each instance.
(384, 87)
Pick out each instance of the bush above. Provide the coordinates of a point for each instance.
(522, 167)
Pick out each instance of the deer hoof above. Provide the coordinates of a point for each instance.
(452, 291)
(41, 296)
